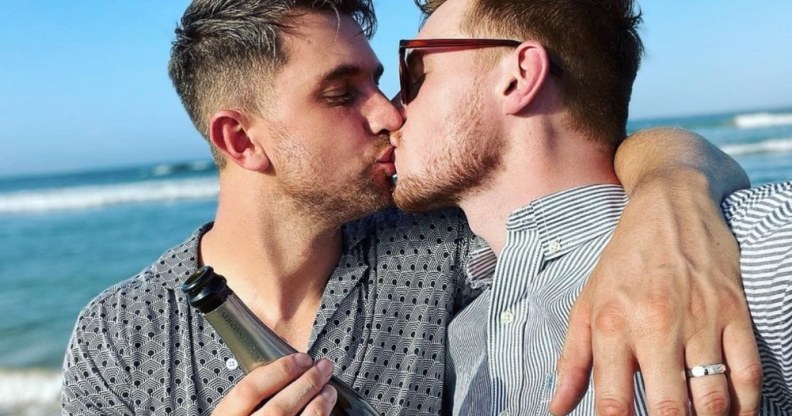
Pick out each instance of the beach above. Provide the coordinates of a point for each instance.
(66, 237)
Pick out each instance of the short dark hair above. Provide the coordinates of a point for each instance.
(225, 51)
(596, 42)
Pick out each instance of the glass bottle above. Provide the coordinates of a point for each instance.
(253, 343)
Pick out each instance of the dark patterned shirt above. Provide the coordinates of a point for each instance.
(139, 348)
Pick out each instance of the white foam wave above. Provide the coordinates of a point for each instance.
(167, 169)
(82, 197)
(200, 165)
(29, 392)
(162, 170)
(767, 146)
(756, 120)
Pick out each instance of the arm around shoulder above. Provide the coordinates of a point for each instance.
(678, 156)
(670, 271)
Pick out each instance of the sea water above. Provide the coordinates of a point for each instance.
(64, 238)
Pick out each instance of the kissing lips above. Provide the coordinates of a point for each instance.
(386, 160)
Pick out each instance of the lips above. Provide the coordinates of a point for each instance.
(387, 156)
(386, 160)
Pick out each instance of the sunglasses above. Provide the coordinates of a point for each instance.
(411, 74)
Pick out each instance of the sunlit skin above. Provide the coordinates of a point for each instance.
(326, 129)
(437, 161)
(315, 157)
(528, 150)
(485, 131)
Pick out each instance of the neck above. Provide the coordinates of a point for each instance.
(540, 161)
(277, 261)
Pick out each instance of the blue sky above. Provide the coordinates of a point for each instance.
(83, 84)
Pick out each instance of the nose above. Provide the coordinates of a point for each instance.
(395, 137)
(387, 117)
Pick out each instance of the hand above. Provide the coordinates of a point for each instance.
(665, 295)
(291, 385)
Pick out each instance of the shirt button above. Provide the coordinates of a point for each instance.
(507, 317)
(232, 364)
(504, 413)
(555, 246)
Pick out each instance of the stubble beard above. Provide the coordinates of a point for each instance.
(466, 164)
(328, 202)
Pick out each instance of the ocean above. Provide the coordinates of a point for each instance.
(64, 238)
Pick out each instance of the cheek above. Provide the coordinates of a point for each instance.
(418, 150)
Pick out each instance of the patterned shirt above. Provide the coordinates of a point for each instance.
(503, 347)
(140, 348)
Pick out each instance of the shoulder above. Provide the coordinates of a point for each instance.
(143, 298)
(122, 335)
(761, 220)
(115, 314)
(754, 203)
(132, 288)
(756, 213)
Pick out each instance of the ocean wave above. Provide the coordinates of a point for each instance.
(168, 169)
(766, 146)
(29, 392)
(83, 197)
(757, 120)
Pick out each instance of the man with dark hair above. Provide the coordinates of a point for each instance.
(533, 98)
(286, 92)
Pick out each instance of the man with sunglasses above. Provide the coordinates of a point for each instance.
(513, 111)
(286, 94)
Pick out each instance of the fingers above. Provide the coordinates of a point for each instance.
(744, 369)
(709, 394)
(574, 365)
(659, 338)
(299, 393)
(613, 364)
(322, 404)
(288, 385)
(262, 383)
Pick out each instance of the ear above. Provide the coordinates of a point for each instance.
(524, 73)
(229, 133)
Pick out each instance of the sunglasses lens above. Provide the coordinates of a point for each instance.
(405, 89)
(412, 75)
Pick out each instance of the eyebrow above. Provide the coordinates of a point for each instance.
(344, 71)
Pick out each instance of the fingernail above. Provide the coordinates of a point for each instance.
(329, 393)
(303, 360)
(325, 367)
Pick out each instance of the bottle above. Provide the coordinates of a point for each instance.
(253, 343)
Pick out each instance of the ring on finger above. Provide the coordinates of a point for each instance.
(705, 370)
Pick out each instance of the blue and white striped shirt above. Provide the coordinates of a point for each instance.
(504, 345)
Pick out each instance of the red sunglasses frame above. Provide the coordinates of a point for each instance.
(404, 44)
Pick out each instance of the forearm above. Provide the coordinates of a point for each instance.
(676, 156)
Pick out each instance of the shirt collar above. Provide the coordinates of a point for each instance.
(180, 262)
(563, 221)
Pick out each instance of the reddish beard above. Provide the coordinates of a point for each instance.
(463, 166)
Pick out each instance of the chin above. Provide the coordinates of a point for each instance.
(367, 200)
(416, 196)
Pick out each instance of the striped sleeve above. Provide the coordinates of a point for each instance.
(761, 219)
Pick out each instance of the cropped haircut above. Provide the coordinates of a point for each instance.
(596, 42)
(227, 51)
